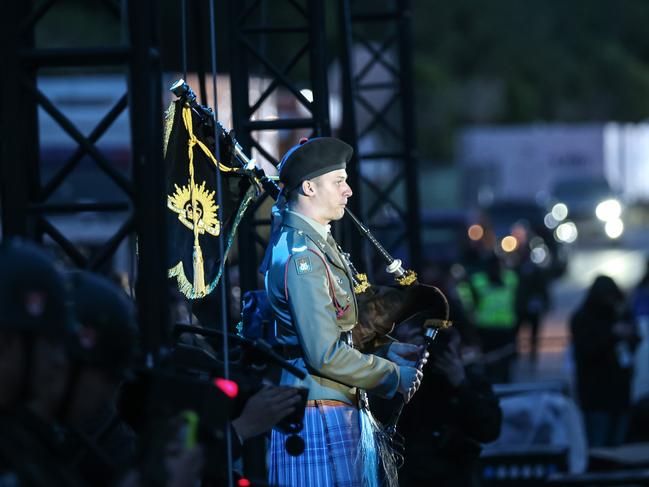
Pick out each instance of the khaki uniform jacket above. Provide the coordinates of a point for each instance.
(310, 324)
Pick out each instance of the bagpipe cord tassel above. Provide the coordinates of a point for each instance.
(199, 273)
(375, 451)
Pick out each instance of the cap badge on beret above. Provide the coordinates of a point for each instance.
(87, 337)
(35, 303)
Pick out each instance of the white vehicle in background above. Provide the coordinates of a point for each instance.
(586, 207)
(587, 174)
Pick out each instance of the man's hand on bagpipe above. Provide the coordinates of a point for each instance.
(407, 354)
(409, 382)
(410, 357)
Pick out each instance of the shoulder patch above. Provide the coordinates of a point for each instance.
(303, 265)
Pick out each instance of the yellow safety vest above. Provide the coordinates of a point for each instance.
(496, 304)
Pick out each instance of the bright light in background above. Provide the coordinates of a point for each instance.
(566, 232)
(614, 228)
(559, 212)
(539, 254)
(550, 221)
(626, 267)
(308, 94)
(509, 243)
(476, 232)
(608, 210)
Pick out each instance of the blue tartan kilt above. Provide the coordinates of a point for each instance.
(331, 437)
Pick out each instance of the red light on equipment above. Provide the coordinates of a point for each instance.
(229, 387)
(243, 482)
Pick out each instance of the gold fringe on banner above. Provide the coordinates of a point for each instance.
(168, 126)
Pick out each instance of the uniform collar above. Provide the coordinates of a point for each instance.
(302, 223)
(323, 230)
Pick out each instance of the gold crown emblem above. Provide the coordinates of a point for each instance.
(206, 216)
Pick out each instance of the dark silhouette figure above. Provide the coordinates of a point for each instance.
(604, 338)
(446, 423)
(532, 299)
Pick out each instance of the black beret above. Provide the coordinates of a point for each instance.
(107, 324)
(313, 158)
(34, 296)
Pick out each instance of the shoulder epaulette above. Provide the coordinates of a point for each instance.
(300, 243)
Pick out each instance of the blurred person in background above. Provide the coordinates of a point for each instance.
(604, 338)
(639, 417)
(263, 409)
(532, 297)
(167, 459)
(259, 405)
(12, 365)
(489, 296)
(446, 423)
(99, 443)
(640, 307)
(35, 314)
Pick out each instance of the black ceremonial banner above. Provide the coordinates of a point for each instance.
(194, 222)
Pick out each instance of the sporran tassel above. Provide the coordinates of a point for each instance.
(375, 450)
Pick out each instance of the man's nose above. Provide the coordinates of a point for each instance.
(347, 191)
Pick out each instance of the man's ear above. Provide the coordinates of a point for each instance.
(308, 188)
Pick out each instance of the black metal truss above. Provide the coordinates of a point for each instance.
(25, 206)
(379, 122)
(303, 31)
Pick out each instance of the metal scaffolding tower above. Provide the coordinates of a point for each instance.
(377, 103)
(279, 55)
(34, 196)
(379, 122)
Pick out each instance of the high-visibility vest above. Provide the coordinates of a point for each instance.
(465, 293)
(496, 306)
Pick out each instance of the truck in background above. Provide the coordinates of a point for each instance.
(584, 174)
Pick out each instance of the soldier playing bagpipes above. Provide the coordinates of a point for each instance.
(311, 291)
(341, 342)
